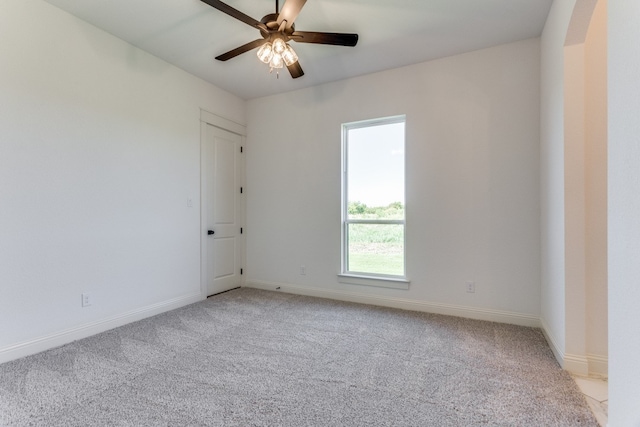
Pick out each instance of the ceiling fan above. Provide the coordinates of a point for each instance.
(276, 30)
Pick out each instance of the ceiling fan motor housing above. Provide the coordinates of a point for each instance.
(271, 22)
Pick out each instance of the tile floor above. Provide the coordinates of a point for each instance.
(596, 391)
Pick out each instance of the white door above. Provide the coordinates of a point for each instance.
(221, 204)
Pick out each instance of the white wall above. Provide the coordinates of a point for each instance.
(624, 211)
(574, 209)
(596, 190)
(573, 177)
(552, 302)
(472, 179)
(99, 151)
(585, 143)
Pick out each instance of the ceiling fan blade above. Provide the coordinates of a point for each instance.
(339, 39)
(225, 8)
(242, 49)
(290, 11)
(295, 70)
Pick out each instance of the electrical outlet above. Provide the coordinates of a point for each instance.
(471, 287)
(189, 202)
(303, 270)
(86, 300)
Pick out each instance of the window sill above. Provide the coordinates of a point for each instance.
(380, 282)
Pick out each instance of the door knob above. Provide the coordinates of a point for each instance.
(210, 232)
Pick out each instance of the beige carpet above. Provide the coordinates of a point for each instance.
(256, 358)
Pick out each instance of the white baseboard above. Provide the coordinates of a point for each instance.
(553, 343)
(590, 365)
(576, 364)
(402, 303)
(598, 365)
(57, 339)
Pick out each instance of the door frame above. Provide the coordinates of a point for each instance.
(207, 118)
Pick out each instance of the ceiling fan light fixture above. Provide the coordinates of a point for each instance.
(276, 29)
(289, 56)
(276, 61)
(279, 46)
(265, 53)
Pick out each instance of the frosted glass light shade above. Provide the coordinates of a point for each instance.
(289, 56)
(276, 61)
(265, 53)
(279, 46)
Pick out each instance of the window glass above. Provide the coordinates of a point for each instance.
(373, 197)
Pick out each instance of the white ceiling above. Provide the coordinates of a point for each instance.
(393, 33)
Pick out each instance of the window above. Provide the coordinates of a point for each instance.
(373, 203)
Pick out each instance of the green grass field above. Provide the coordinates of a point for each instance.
(392, 264)
(376, 248)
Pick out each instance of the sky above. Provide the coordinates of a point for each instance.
(376, 164)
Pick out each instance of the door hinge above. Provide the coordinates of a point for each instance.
(240, 230)
(241, 271)
(241, 190)
(241, 149)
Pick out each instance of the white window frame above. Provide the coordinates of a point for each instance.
(366, 278)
